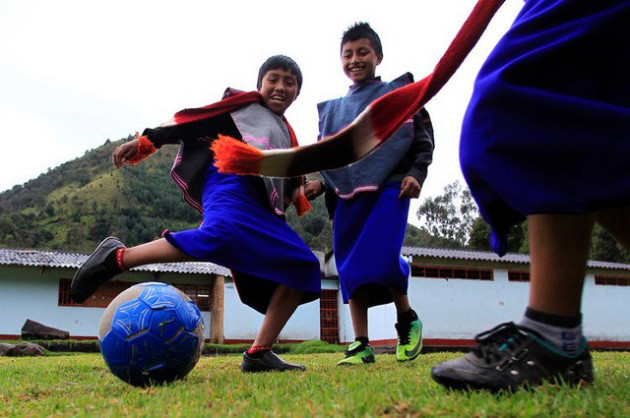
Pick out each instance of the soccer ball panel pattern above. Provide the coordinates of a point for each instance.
(151, 333)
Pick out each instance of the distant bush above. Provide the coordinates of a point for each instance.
(314, 347)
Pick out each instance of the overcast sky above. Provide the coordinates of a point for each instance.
(74, 73)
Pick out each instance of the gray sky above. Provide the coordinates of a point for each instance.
(74, 73)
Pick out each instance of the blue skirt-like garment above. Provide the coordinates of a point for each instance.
(240, 232)
(369, 230)
(548, 127)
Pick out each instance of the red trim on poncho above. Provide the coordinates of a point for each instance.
(234, 101)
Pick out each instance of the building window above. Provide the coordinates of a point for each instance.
(442, 272)
(329, 316)
(100, 299)
(612, 280)
(518, 276)
(200, 294)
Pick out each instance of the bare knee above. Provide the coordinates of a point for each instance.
(286, 292)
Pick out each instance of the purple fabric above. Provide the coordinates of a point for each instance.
(547, 128)
(241, 232)
(368, 236)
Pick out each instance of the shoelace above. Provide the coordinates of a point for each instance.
(355, 350)
(403, 333)
(498, 342)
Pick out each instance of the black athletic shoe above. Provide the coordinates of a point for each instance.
(93, 273)
(510, 356)
(269, 362)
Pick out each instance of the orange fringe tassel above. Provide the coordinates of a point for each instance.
(302, 205)
(234, 156)
(145, 148)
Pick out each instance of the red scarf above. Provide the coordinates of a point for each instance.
(370, 129)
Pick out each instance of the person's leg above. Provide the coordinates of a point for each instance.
(111, 257)
(358, 304)
(401, 301)
(158, 251)
(259, 357)
(408, 328)
(283, 303)
(359, 352)
(558, 247)
(531, 352)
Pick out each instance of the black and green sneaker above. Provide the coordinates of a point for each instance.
(510, 356)
(409, 340)
(357, 353)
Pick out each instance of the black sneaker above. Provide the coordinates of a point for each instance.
(93, 273)
(269, 362)
(510, 356)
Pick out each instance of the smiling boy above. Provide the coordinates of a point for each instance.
(278, 88)
(243, 225)
(369, 200)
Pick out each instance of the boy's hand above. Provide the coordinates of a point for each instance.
(410, 187)
(124, 152)
(313, 189)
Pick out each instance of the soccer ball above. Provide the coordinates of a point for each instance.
(151, 333)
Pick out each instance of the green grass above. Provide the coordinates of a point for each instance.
(81, 385)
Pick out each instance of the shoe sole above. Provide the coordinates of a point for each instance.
(415, 353)
(459, 385)
(364, 360)
(249, 365)
(453, 384)
(74, 287)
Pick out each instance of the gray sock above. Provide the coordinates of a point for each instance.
(568, 340)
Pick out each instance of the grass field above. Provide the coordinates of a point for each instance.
(81, 385)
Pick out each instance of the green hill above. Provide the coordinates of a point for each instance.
(75, 205)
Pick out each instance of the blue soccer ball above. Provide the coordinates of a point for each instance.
(151, 333)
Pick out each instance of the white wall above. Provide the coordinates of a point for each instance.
(28, 295)
(34, 298)
(449, 309)
(460, 309)
(381, 320)
(242, 322)
(606, 311)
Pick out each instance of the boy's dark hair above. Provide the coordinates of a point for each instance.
(283, 62)
(362, 30)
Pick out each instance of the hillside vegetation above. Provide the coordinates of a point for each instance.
(75, 205)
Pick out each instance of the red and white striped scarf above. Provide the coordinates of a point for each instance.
(375, 125)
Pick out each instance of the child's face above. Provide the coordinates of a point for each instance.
(359, 60)
(279, 88)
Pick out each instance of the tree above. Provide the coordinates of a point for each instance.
(480, 237)
(449, 217)
(605, 248)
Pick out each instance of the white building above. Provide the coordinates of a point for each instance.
(456, 293)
